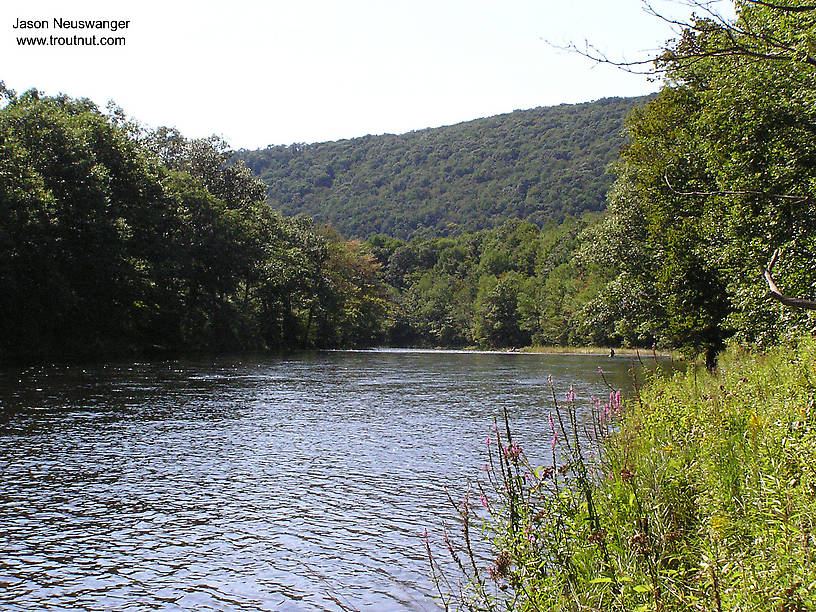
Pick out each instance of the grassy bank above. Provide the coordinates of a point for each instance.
(703, 497)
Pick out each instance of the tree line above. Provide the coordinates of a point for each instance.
(510, 286)
(717, 179)
(540, 165)
(118, 240)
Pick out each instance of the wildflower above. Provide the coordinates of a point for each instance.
(512, 451)
(483, 499)
(487, 440)
(501, 566)
(554, 433)
(671, 536)
(425, 536)
(639, 543)
(600, 370)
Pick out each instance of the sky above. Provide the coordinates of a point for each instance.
(278, 72)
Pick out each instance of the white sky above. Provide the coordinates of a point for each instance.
(276, 72)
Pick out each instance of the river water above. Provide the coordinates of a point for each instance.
(298, 482)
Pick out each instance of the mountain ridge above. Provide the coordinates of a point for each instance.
(538, 164)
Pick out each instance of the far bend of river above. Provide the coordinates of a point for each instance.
(301, 482)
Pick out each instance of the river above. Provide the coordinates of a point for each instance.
(298, 482)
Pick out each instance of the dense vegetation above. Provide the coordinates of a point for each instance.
(698, 493)
(116, 240)
(510, 286)
(538, 165)
(719, 173)
(703, 500)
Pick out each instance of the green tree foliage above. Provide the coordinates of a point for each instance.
(719, 173)
(539, 165)
(496, 320)
(115, 240)
(509, 286)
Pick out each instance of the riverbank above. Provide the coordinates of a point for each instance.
(604, 350)
(703, 499)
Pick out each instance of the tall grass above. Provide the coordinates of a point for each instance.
(697, 493)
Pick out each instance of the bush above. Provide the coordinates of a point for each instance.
(697, 493)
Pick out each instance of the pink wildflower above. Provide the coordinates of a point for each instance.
(512, 451)
(554, 433)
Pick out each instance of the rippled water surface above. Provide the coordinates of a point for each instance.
(291, 483)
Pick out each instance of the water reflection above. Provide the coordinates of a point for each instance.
(293, 483)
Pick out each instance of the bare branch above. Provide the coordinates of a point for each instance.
(777, 294)
(599, 57)
(741, 38)
(796, 198)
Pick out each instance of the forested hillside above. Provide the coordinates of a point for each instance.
(538, 165)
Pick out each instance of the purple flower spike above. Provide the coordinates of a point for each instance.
(554, 434)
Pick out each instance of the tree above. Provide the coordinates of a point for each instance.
(720, 173)
(117, 241)
(496, 316)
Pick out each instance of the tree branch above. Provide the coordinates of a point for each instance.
(777, 294)
(743, 38)
(778, 196)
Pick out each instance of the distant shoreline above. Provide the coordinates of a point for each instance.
(527, 350)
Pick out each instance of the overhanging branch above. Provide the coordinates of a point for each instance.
(777, 294)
